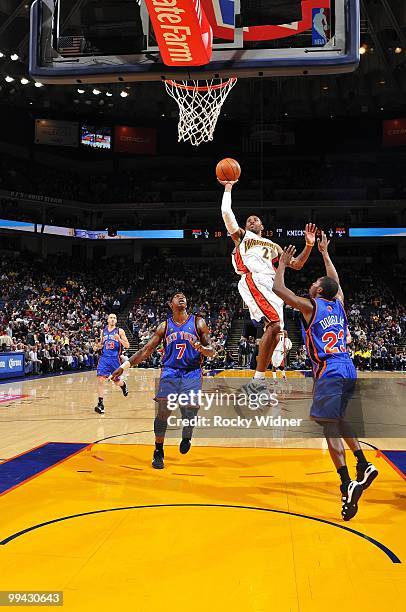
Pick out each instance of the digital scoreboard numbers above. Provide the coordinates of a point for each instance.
(279, 233)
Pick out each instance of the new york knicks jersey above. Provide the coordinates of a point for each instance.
(255, 254)
(326, 339)
(178, 352)
(111, 347)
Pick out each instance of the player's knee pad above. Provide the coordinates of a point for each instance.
(160, 427)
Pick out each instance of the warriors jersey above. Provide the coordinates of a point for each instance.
(326, 339)
(111, 347)
(255, 254)
(178, 351)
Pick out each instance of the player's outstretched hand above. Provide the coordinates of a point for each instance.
(225, 183)
(287, 255)
(322, 243)
(116, 375)
(310, 233)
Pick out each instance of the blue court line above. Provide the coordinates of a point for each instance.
(397, 459)
(18, 470)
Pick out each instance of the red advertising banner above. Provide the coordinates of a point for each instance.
(141, 141)
(182, 30)
(394, 133)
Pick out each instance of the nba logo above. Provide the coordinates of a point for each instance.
(321, 31)
(329, 308)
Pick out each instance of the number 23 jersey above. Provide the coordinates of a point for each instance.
(326, 339)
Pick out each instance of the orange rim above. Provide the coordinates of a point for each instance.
(200, 87)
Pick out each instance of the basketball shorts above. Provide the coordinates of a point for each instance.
(175, 381)
(256, 292)
(333, 391)
(107, 365)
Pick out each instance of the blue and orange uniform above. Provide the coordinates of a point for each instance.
(181, 363)
(333, 370)
(111, 351)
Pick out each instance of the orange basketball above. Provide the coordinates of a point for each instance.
(228, 169)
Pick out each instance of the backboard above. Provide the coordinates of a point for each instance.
(89, 41)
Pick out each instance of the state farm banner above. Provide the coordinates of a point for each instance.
(57, 133)
(141, 141)
(182, 31)
(394, 133)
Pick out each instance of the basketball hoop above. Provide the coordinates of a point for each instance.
(199, 104)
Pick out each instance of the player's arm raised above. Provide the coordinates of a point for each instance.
(236, 232)
(143, 353)
(204, 346)
(331, 272)
(304, 305)
(298, 262)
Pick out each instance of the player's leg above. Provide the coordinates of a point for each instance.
(101, 380)
(120, 383)
(191, 385)
(366, 471)
(327, 411)
(267, 346)
(160, 427)
(168, 386)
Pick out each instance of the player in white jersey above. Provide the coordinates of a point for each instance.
(254, 258)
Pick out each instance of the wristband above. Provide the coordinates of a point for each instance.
(309, 245)
(126, 365)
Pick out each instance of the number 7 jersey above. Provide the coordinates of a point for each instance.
(178, 351)
(326, 339)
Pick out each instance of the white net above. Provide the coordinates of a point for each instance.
(199, 104)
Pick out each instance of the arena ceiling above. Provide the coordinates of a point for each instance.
(378, 86)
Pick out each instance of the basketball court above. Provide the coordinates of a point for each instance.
(248, 523)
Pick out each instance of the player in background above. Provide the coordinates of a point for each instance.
(325, 324)
(283, 346)
(112, 341)
(254, 258)
(186, 340)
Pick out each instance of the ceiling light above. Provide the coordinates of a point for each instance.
(398, 50)
(124, 94)
(24, 81)
(382, 82)
(9, 79)
(14, 57)
(108, 94)
(38, 84)
(363, 49)
(1, 54)
(81, 91)
(96, 92)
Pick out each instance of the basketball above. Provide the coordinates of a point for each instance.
(228, 169)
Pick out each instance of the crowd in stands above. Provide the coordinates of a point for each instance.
(210, 292)
(53, 310)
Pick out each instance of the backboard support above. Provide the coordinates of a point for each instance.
(324, 40)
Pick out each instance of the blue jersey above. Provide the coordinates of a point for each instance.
(111, 347)
(179, 353)
(326, 339)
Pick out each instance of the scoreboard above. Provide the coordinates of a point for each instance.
(278, 233)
